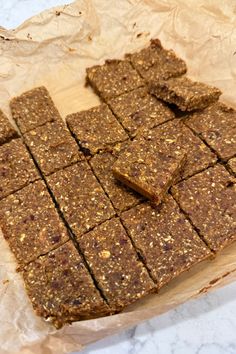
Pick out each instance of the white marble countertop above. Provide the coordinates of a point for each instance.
(203, 326)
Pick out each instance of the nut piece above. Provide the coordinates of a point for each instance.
(61, 289)
(209, 200)
(155, 62)
(186, 94)
(114, 264)
(113, 78)
(165, 239)
(232, 165)
(33, 108)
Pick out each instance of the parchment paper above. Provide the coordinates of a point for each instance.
(53, 49)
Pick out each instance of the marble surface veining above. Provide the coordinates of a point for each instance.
(203, 326)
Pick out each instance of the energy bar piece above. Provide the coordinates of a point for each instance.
(33, 108)
(186, 94)
(121, 196)
(114, 263)
(232, 165)
(30, 223)
(199, 156)
(209, 200)
(137, 110)
(52, 147)
(113, 78)
(61, 289)
(96, 129)
(150, 165)
(17, 169)
(80, 197)
(165, 239)
(216, 125)
(7, 132)
(155, 62)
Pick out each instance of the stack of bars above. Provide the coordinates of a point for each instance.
(134, 192)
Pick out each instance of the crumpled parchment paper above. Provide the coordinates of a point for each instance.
(53, 49)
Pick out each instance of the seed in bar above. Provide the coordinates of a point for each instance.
(165, 239)
(30, 223)
(17, 169)
(208, 198)
(114, 263)
(33, 108)
(61, 289)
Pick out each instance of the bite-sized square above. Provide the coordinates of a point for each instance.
(165, 239)
(33, 108)
(114, 263)
(155, 62)
(209, 200)
(113, 78)
(17, 168)
(7, 132)
(121, 196)
(150, 164)
(137, 110)
(96, 129)
(199, 156)
(186, 94)
(80, 197)
(52, 147)
(216, 125)
(30, 223)
(232, 165)
(61, 289)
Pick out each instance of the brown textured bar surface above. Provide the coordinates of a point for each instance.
(216, 125)
(7, 132)
(232, 165)
(155, 62)
(209, 200)
(186, 94)
(61, 289)
(17, 169)
(96, 129)
(121, 196)
(113, 78)
(115, 265)
(150, 164)
(33, 108)
(30, 223)
(137, 110)
(52, 147)
(165, 239)
(80, 197)
(199, 156)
